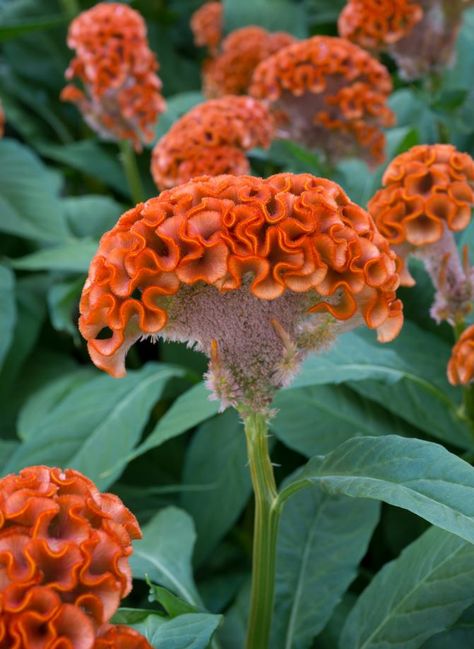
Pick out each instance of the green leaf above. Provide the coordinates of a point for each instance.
(73, 257)
(321, 540)
(234, 628)
(95, 424)
(461, 634)
(176, 107)
(7, 310)
(29, 206)
(273, 15)
(90, 216)
(173, 605)
(14, 30)
(419, 594)
(224, 472)
(164, 554)
(7, 447)
(63, 304)
(419, 476)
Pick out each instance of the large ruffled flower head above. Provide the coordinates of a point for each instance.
(461, 363)
(254, 272)
(120, 637)
(428, 194)
(328, 94)
(206, 25)
(230, 72)
(64, 550)
(120, 96)
(210, 140)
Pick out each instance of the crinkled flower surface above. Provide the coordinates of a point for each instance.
(230, 72)
(254, 272)
(120, 95)
(206, 25)
(461, 363)
(120, 636)
(329, 94)
(375, 25)
(64, 550)
(211, 140)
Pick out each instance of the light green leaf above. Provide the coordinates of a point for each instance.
(419, 594)
(273, 15)
(461, 634)
(90, 216)
(419, 476)
(321, 540)
(69, 257)
(7, 447)
(63, 304)
(164, 554)
(7, 310)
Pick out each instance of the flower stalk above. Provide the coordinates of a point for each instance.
(267, 514)
(130, 167)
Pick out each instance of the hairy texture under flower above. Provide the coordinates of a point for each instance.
(206, 25)
(230, 72)
(461, 363)
(254, 272)
(374, 25)
(211, 140)
(428, 194)
(120, 97)
(120, 637)
(64, 550)
(328, 94)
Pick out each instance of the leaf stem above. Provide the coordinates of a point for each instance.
(129, 164)
(267, 514)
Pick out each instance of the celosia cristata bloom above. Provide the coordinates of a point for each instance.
(206, 25)
(121, 637)
(230, 72)
(427, 195)
(461, 363)
(254, 272)
(64, 550)
(120, 96)
(328, 94)
(211, 140)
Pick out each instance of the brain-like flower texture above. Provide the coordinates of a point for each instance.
(211, 140)
(328, 94)
(120, 96)
(428, 194)
(230, 72)
(461, 363)
(206, 25)
(121, 637)
(255, 272)
(64, 550)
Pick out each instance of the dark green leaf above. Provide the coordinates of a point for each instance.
(7, 310)
(69, 257)
(172, 604)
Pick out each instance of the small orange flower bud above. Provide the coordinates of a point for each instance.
(120, 97)
(328, 94)
(461, 363)
(206, 25)
(211, 140)
(120, 637)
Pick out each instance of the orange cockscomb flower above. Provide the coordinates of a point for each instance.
(120, 96)
(120, 637)
(461, 363)
(206, 25)
(230, 72)
(254, 272)
(211, 140)
(64, 549)
(428, 194)
(328, 94)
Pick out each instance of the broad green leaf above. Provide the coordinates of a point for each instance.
(7, 447)
(29, 206)
(321, 540)
(233, 631)
(419, 594)
(461, 634)
(63, 304)
(74, 256)
(172, 604)
(176, 107)
(273, 15)
(7, 310)
(13, 30)
(96, 424)
(90, 216)
(419, 476)
(225, 474)
(164, 554)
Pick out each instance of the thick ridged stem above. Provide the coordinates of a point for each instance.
(130, 167)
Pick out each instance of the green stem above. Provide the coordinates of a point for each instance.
(267, 514)
(129, 163)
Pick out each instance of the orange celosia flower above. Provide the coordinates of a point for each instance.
(329, 94)
(121, 97)
(206, 25)
(231, 71)
(375, 25)
(64, 550)
(427, 195)
(210, 140)
(254, 272)
(461, 363)
(120, 637)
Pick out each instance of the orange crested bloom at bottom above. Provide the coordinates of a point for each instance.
(121, 637)
(461, 363)
(254, 272)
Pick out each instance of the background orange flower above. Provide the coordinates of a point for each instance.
(206, 25)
